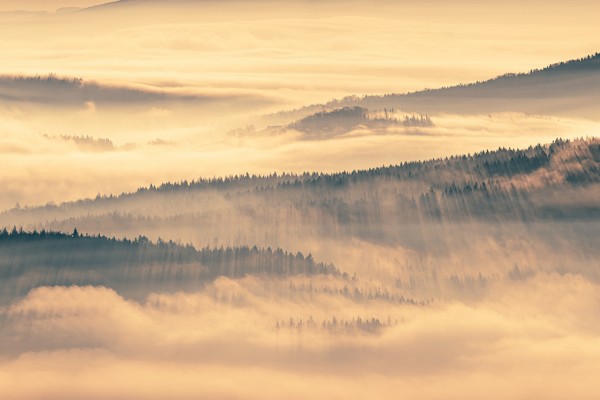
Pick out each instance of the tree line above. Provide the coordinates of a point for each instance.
(21, 250)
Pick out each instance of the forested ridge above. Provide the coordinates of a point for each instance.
(30, 258)
(503, 162)
(56, 249)
(581, 154)
(569, 86)
(583, 65)
(553, 182)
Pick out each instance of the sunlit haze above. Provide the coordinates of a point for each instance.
(261, 199)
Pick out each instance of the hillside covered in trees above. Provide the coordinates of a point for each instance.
(498, 181)
(185, 213)
(30, 258)
(346, 119)
(565, 88)
(406, 221)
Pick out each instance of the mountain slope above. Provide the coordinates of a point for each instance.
(552, 166)
(33, 259)
(536, 207)
(567, 88)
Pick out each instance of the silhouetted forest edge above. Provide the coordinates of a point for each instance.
(482, 167)
(24, 249)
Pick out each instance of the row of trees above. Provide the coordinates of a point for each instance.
(371, 325)
(479, 166)
(485, 164)
(345, 119)
(21, 250)
(355, 293)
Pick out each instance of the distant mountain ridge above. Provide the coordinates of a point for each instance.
(59, 90)
(562, 70)
(569, 88)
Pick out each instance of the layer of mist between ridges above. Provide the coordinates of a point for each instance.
(536, 208)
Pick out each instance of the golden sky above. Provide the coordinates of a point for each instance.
(297, 51)
(44, 5)
(239, 59)
(168, 85)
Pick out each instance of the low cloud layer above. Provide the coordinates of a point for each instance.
(45, 169)
(487, 294)
(67, 342)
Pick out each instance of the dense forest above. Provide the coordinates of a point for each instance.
(29, 259)
(407, 222)
(487, 179)
(326, 124)
(486, 165)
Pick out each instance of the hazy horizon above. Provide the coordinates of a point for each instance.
(168, 73)
(261, 199)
